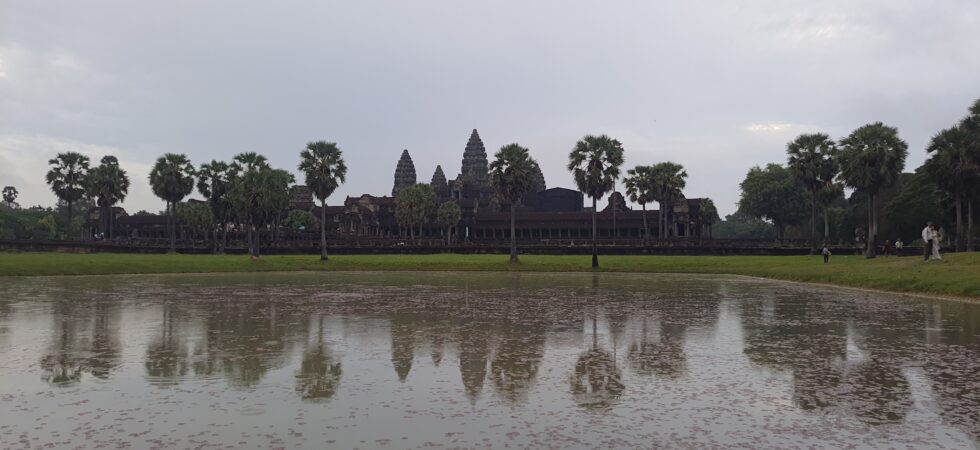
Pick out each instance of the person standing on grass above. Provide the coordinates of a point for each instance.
(826, 254)
(927, 234)
(937, 237)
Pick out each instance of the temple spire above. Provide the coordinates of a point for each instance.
(475, 158)
(404, 173)
(439, 183)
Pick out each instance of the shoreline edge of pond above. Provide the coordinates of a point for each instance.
(955, 277)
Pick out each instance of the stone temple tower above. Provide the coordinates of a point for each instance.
(404, 173)
(439, 183)
(475, 159)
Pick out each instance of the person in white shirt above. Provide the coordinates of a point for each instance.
(927, 234)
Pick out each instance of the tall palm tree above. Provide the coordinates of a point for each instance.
(952, 168)
(669, 180)
(513, 173)
(811, 161)
(212, 183)
(594, 162)
(323, 164)
(108, 184)
(871, 159)
(640, 189)
(66, 178)
(172, 179)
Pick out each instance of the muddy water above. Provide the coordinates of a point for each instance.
(407, 360)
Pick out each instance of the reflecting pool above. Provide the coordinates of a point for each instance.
(445, 360)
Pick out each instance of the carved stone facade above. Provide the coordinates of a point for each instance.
(404, 173)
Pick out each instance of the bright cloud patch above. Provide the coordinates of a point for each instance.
(771, 127)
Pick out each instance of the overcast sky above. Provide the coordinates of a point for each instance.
(718, 86)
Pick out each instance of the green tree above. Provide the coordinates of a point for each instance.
(971, 126)
(10, 196)
(953, 169)
(743, 225)
(302, 220)
(871, 158)
(261, 194)
(195, 215)
(172, 179)
(773, 194)
(449, 215)
(323, 164)
(66, 178)
(212, 182)
(669, 181)
(413, 205)
(595, 162)
(241, 173)
(108, 185)
(812, 163)
(709, 214)
(513, 173)
(640, 188)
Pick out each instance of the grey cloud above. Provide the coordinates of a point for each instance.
(673, 80)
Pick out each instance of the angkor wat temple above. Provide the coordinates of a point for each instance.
(546, 216)
(555, 214)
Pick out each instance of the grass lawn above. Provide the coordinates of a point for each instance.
(956, 275)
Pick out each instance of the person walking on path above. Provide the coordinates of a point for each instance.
(927, 234)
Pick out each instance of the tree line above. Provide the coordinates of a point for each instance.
(869, 160)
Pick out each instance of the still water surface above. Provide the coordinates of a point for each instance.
(406, 360)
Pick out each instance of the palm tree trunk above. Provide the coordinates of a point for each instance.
(173, 224)
(826, 224)
(513, 236)
(323, 229)
(872, 225)
(813, 224)
(255, 244)
(646, 228)
(68, 227)
(959, 222)
(595, 251)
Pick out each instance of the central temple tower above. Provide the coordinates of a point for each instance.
(475, 163)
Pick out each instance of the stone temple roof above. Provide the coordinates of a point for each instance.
(404, 173)
(475, 158)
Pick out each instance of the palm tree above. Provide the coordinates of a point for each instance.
(10, 196)
(669, 181)
(513, 173)
(66, 178)
(953, 169)
(261, 195)
(212, 182)
(413, 204)
(811, 161)
(108, 184)
(172, 179)
(323, 164)
(449, 214)
(870, 159)
(594, 162)
(640, 188)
